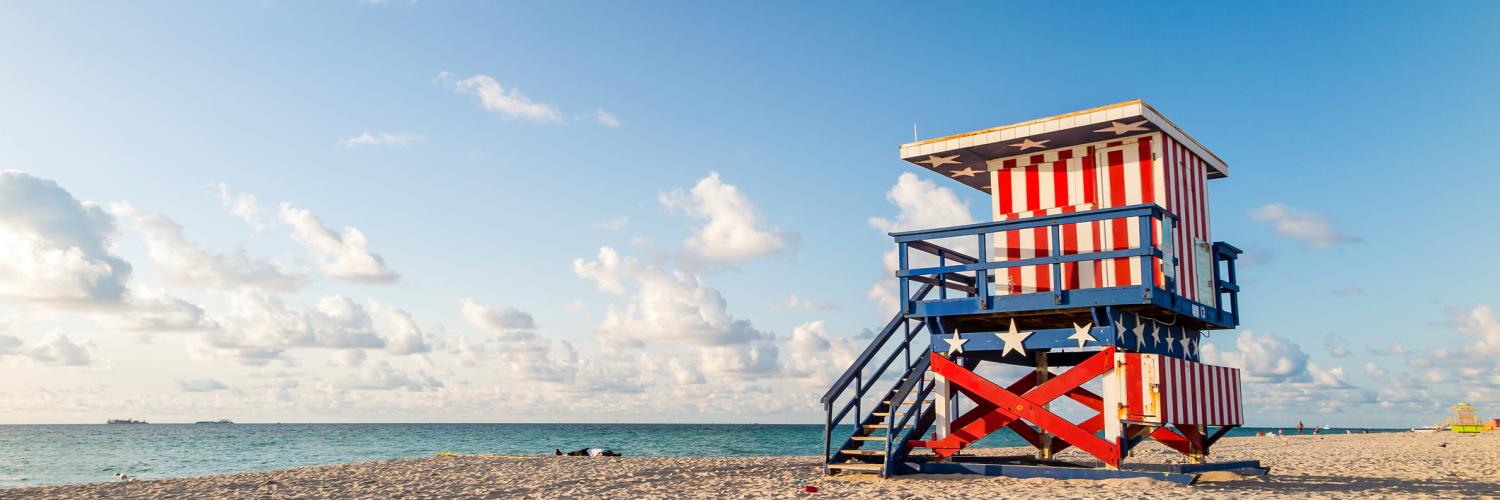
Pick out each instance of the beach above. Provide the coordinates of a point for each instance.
(1403, 465)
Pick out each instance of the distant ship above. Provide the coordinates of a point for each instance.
(126, 421)
(220, 421)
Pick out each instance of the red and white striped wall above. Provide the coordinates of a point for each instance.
(1168, 390)
(1143, 169)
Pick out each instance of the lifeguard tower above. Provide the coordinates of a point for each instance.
(1095, 281)
(1463, 420)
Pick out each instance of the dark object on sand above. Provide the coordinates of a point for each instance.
(587, 452)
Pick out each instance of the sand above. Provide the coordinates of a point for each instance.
(1401, 465)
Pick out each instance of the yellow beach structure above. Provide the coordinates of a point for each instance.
(1463, 420)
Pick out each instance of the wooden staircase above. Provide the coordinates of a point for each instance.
(879, 439)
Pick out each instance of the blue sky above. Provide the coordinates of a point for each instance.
(1370, 122)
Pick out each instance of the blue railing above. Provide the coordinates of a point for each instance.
(974, 275)
(860, 382)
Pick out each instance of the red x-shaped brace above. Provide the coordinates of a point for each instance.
(1023, 401)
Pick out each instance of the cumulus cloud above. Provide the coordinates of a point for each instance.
(1311, 228)
(263, 326)
(368, 138)
(509, 104)
(155, 310)
(201, 385)
(242, 205)
(343, 255)
(920, 204)
(1481, 324)
(669, 307)
(401, 332)
(758, 359)
(606, 119)
(348, 358)
(176, 259)
(55, 349)
(507, 323)
(732, 230)
(814, 354)
(382, 376)
(1263, 356)
(54, 248)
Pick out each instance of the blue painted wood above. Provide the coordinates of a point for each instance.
(1050, 472)
(1143, 210)
(1194, 468)
(1039, 339)
(1154, 338)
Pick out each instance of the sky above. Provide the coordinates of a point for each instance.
(676, 212)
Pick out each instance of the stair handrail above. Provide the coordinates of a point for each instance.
(914, 380)
(869, 353)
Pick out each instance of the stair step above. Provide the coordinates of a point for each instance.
(857, 467)
(868, 438)
(857, 451)
(909, 401)
(876, 427)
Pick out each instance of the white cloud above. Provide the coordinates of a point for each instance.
(753, 360)
(55, 349)
(348, 358)
(155, 310)
(381, 376)
(178, 260)
(368, 138)
(606, 119)
(1481, 324)
(201, 385)
(344, 255)
(509, 104)
(669, 307)
(814, 354)
(262, 326)
(732, 229)
(55, 249)
(1311, 228)
(920, 204)
(469, 353)
(401, 332)
(508, 323)
(243, 205)
(1263, 356)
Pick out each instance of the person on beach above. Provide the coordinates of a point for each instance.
(586, 452)
(1299, 427)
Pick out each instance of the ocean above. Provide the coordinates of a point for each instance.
(41, 455)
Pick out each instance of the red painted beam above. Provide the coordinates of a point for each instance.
(1029, 407)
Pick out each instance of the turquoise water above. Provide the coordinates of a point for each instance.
(38, 455)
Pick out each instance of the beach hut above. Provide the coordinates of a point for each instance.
(1097, 276)
(1463, 420)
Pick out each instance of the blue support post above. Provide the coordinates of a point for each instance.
(942, 277)
(1147, 269)
(1056, 268)
(905, 283)
(982, 276)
